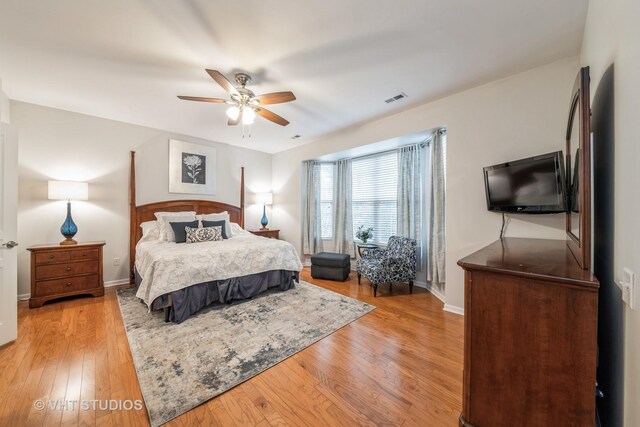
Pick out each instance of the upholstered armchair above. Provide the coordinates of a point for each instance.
(395, 264)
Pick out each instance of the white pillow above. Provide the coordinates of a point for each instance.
(237, 229)
(152, 236)
(165, 227)
(148, 227)
(222, 216)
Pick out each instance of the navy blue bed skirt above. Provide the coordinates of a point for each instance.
(190, 300)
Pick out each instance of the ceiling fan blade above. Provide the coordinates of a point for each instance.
(222, 81)
(269, 115)
(275, 98)
(198, 98)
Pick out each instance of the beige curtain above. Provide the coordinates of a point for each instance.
(311, 224)
(342, 219)
(410, 195)
(436, 227)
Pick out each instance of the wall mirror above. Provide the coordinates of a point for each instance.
(578, 169)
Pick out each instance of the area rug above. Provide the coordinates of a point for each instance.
(181, 366)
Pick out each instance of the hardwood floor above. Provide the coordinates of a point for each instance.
(398, 365)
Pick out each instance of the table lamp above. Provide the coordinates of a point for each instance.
(264, 199)
(68, 190)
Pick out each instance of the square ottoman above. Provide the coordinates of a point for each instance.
(331, 266)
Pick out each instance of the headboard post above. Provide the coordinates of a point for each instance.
(132, 213)
(242, 197)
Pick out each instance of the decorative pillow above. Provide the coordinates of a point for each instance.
(206, 234)
(222, 216)
(179, 229)
(166, 232)
(222, 224)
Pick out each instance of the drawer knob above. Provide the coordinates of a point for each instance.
(68, 283)
(52, 256)
(68, 268)
(84, 254)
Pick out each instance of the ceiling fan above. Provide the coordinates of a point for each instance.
(244, 103)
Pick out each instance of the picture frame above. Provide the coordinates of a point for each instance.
(192, 168)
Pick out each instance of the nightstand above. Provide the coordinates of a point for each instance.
(272, 234)
(60, 271)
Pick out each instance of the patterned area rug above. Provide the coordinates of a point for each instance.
(181, 366)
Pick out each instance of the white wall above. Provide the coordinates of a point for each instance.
(612, 36)
(5, 116)
(520, 116)
(56, 144)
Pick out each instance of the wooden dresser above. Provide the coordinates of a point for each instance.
(530, 329)
(272, 234)
(59, 271)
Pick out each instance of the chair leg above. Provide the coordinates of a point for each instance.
(410, 286)
(359, 275)
(390, 286)
(375, 290)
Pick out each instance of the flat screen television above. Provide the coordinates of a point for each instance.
(534, 185)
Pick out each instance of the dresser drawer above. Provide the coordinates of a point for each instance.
(65, 270)
(51, 257)
(87, 254)
(62, 286)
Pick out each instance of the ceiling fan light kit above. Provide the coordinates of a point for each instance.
(245, 105)
(233, 113)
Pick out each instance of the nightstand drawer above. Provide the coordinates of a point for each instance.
(65, 270)
(62, 286)
(51, 257)
(88, 254)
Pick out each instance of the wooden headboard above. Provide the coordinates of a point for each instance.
(142, 213)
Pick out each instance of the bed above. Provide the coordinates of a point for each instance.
(183, 278)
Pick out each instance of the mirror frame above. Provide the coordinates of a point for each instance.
(580, 246)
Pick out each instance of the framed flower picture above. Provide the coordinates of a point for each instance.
(192, 168)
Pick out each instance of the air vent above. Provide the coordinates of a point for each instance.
(398, 97)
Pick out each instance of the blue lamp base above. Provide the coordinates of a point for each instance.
(264, 221)
(68, 228)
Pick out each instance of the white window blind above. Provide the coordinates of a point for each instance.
(326, 200)
(374, 194)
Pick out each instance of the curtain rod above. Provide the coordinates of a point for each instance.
(422, 144)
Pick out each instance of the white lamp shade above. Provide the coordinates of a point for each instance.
(68, 190)
(264, 198)
(248, 115)
(233, 112)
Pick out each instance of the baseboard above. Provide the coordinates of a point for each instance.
(454, 309)
(24, 297)
(116, 282)
(436, 293)
(420, 284)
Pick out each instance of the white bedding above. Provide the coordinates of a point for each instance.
(167, 266)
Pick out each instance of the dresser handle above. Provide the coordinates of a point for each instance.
(68, 283)
(52, 256)
(84, 254)
(68, 268)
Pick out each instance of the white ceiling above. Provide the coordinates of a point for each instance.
(128, 59)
